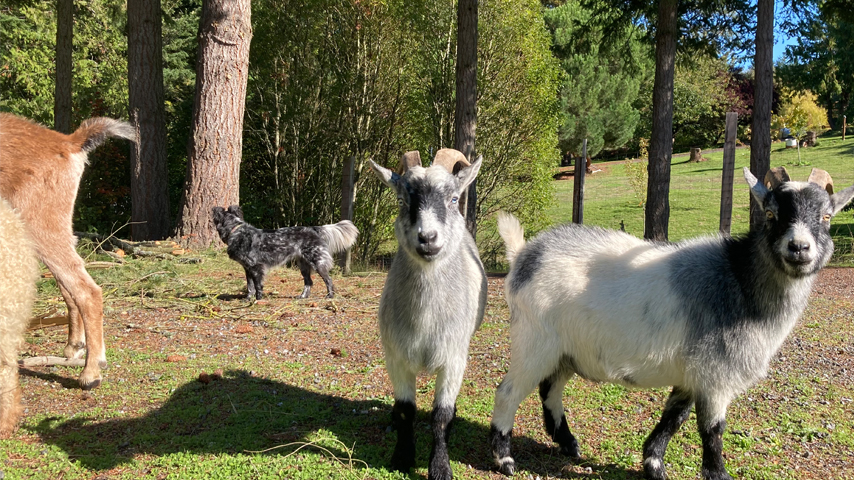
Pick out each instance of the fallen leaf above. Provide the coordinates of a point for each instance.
(243, 329)
(176, 358)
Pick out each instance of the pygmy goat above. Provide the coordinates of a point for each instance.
(40, 172)
(260, 250)
(704, 315)
(17, 290)
(433, 299)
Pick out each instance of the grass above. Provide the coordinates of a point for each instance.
(695, 192)
(303, 392)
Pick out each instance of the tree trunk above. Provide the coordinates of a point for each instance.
(763, 65)
(216, 139)
(465, 115)
(62, 89)
(657, 212)
(149, 178)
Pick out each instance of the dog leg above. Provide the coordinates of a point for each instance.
(324, 274)
(305, 269)
(258, 277)
(250, 284)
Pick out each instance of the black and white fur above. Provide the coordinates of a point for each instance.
(704, 316)
(433, 301)
(311, 248)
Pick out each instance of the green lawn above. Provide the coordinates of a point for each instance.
(695, 192)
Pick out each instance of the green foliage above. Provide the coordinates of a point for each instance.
(799, 112)
(598, 92)
(331, 80)
(822, 61)
(703, 92)
(636, 172)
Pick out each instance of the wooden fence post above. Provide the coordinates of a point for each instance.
(347, 183)
(844, 125)
(578, 186)
(728, 172)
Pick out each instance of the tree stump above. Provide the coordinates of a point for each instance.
(696, 155)
(811, 138)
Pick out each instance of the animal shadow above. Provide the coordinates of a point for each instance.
(243, 413)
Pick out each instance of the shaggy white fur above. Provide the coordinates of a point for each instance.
(18, 272)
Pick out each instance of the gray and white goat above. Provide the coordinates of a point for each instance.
(433, 299)
(704, 315)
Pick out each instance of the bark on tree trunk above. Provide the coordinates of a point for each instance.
(62, 89)
(149, 178)
(657, 212)
(216, 141)
(763, 65)
(465, 115)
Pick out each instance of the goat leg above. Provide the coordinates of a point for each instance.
(440, 463)
(676, 411)
(711, 423)
(554, 420)
(403, 420)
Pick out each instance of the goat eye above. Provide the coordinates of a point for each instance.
(826, 217)
(769, 214)
(454, 200)
(401, 202)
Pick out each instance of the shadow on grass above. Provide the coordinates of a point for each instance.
(241, 413)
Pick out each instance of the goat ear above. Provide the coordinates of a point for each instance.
(468, 174)
(385, 175)
(757, 189)
(840, 199)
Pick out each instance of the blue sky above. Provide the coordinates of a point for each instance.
(780, 43)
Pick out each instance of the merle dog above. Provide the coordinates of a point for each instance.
(260, 250)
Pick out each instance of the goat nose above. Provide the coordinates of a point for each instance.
(427, 237)
(797, 246)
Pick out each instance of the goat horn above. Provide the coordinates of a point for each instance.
(775, 177)
(822, 179)
(452, 160)
(410, 159)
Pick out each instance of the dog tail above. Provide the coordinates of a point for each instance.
(339, 236)
(94, 131)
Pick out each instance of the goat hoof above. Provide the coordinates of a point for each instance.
(89, 384)
(331, 295)
(403, 461)
(570, 451)
(440, 473)
(507, 467)
(716, 475)
(653, 468)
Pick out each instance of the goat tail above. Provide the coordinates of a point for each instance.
(95, 131)
(339, 236)
(513, 234)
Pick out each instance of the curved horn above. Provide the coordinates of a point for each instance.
(775, 177)
(410, 159)
(452, 160)
(822, 179)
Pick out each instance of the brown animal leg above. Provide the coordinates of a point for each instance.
(75, 347)
(10, 393)
(85, 295)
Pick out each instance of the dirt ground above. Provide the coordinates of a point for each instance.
(197, 333)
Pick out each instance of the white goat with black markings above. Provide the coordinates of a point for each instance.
(704, 316)
(433, 299)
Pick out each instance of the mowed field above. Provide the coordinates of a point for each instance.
(203, 384)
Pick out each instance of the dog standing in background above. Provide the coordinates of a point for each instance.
(311, 248)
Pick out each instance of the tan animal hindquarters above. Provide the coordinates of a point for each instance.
(40, 172)
(18, 273)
